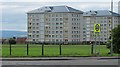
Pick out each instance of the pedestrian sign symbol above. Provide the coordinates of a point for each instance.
(96, 27)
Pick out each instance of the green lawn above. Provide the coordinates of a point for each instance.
(52, 50)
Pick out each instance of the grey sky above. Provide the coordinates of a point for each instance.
(14, 13)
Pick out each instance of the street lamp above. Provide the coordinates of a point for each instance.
(93, 15)
(111, 49)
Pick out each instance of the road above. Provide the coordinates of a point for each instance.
(64, 62)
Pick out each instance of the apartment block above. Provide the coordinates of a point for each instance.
(55, 24)
(104, 18)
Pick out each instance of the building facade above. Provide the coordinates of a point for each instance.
(102, 17)
(55, 24)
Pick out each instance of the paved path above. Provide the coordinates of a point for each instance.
(60, 66)
(79, 61)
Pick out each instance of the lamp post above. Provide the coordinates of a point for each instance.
(94, 16)
(99, 43)
(111, 49)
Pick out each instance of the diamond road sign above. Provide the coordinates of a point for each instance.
(96, 28)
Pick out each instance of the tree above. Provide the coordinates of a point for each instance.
(116, 39)
(12, 41)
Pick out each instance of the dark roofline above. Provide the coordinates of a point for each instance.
(70, 9)
(113, 13)
(54, 12)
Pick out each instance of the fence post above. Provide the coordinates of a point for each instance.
(91, 48)
(60, 48)
(43, 49)
(27, 49)
(10, 50)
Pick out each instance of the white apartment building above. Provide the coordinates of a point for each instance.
(55, 24)
(103, 17)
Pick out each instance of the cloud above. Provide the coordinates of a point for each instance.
(10, 26)
(14, 13)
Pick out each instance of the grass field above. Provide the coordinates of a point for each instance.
(52, 50)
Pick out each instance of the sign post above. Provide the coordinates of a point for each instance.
(97, 31)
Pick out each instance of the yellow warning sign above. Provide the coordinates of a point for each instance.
(96, 27)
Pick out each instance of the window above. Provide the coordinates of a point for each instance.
(49, 35)
(46, 35)
(37, 27)
(37, 39)
(49, 19)
(60, 36)
(84, 28)
(66, 18)
(60, 27)
(57, 40)
(33, 31)
(33, 19)
(84, 39)
(37, 19)
(56, 27)
(56, 15)
(46, 19)
(37, 36)
(33, 39)
(33, 23)
(104, 28)
(30, 23)
(72, 19)
(60, 19)
(66, 31)
(101, 24)
(61, 23)
(33, 36)
(66, 39)
(57, 23)
(52, 35)
(29, 27)
(29, 35)
(56, 31)
(74, 27)
(37, 31)
(46, 27)
(84, 31)
(37, 23)
(60, 31)
(104, 24)
(105, 32)
(56, 19)
(60, 15)
(72, 15)
(33, 27)
(56, 36)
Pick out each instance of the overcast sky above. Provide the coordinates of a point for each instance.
(13, 12)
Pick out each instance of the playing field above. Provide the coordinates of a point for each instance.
(51, 50)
